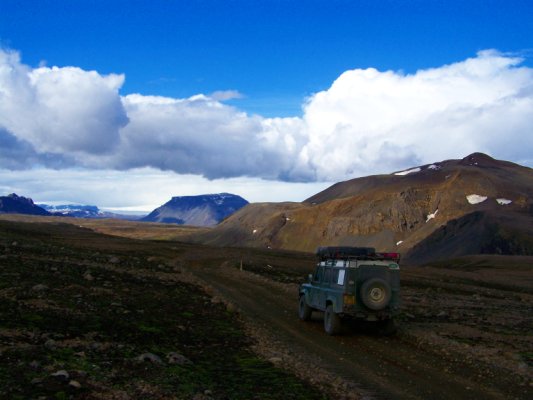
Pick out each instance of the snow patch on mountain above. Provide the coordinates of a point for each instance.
(475, 198)
(409, 171)
(503, 202)
(432, 215)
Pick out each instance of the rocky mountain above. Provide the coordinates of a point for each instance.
(74, 210)
(14, 204)
(203, 210)
(470, 206)
(83, 211)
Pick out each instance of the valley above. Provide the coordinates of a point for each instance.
(88, 315)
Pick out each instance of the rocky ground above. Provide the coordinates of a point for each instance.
(88, 316)
(92, 317)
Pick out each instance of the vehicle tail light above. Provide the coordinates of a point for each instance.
(349, 299)
(389, 256)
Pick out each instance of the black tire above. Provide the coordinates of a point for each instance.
(304, 311)
(332, 321)
(375, 294)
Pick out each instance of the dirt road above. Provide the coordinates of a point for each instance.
(417, 363)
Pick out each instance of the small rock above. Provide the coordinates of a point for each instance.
(35, 364)
(36, 381)
(61, 375)
(50, 344)
(177, 358)
(87, 276)
(442, 314)
(39, 288)
(522, 366)
(410, 316)
(14, 244)
(74, 384)
(275, 360)
(114, 260)
(231, 308)
(149, 357)
(95, 346)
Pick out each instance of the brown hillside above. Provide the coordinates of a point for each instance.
(389, 212)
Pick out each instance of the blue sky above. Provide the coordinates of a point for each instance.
(274, 52)
(350, 73)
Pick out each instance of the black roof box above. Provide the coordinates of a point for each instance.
(332, 252)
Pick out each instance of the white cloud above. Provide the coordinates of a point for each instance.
(60, 110)
(372, 122)
(222, 95)
(367, 122)
(140, 189)
(197, 135)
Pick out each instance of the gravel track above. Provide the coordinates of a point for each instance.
(414, 364)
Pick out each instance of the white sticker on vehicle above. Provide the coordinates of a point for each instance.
(340, 279)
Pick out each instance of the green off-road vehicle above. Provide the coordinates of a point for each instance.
(353, 282)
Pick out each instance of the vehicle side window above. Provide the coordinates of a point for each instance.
(327, 276)
(319, 273)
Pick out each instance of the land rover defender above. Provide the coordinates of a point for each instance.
(352, 282)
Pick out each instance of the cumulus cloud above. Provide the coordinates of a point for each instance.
(367, 122)
(17, 154)
(370, 121)
(198, 135)
(58, 110)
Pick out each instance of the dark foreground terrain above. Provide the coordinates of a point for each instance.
(89, 316)
(92, 317)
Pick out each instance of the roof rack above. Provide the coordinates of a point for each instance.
(354, 253)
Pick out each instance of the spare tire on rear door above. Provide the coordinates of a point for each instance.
(375, 294)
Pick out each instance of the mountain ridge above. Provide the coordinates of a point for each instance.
(15, 204)
(391, 212)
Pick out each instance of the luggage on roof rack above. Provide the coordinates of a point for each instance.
(354, 253)
(344, 252)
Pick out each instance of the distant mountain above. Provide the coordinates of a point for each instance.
(203, 210)
(14, 204)
(83, 211)
(476, 205)
(73, 210)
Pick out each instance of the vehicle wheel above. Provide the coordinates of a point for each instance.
(304, 311)
(387, 327)
(332, 322)
(375, 294)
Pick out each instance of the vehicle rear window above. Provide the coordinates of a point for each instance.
(327, 277)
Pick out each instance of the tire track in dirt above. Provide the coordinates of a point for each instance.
(374, 367)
